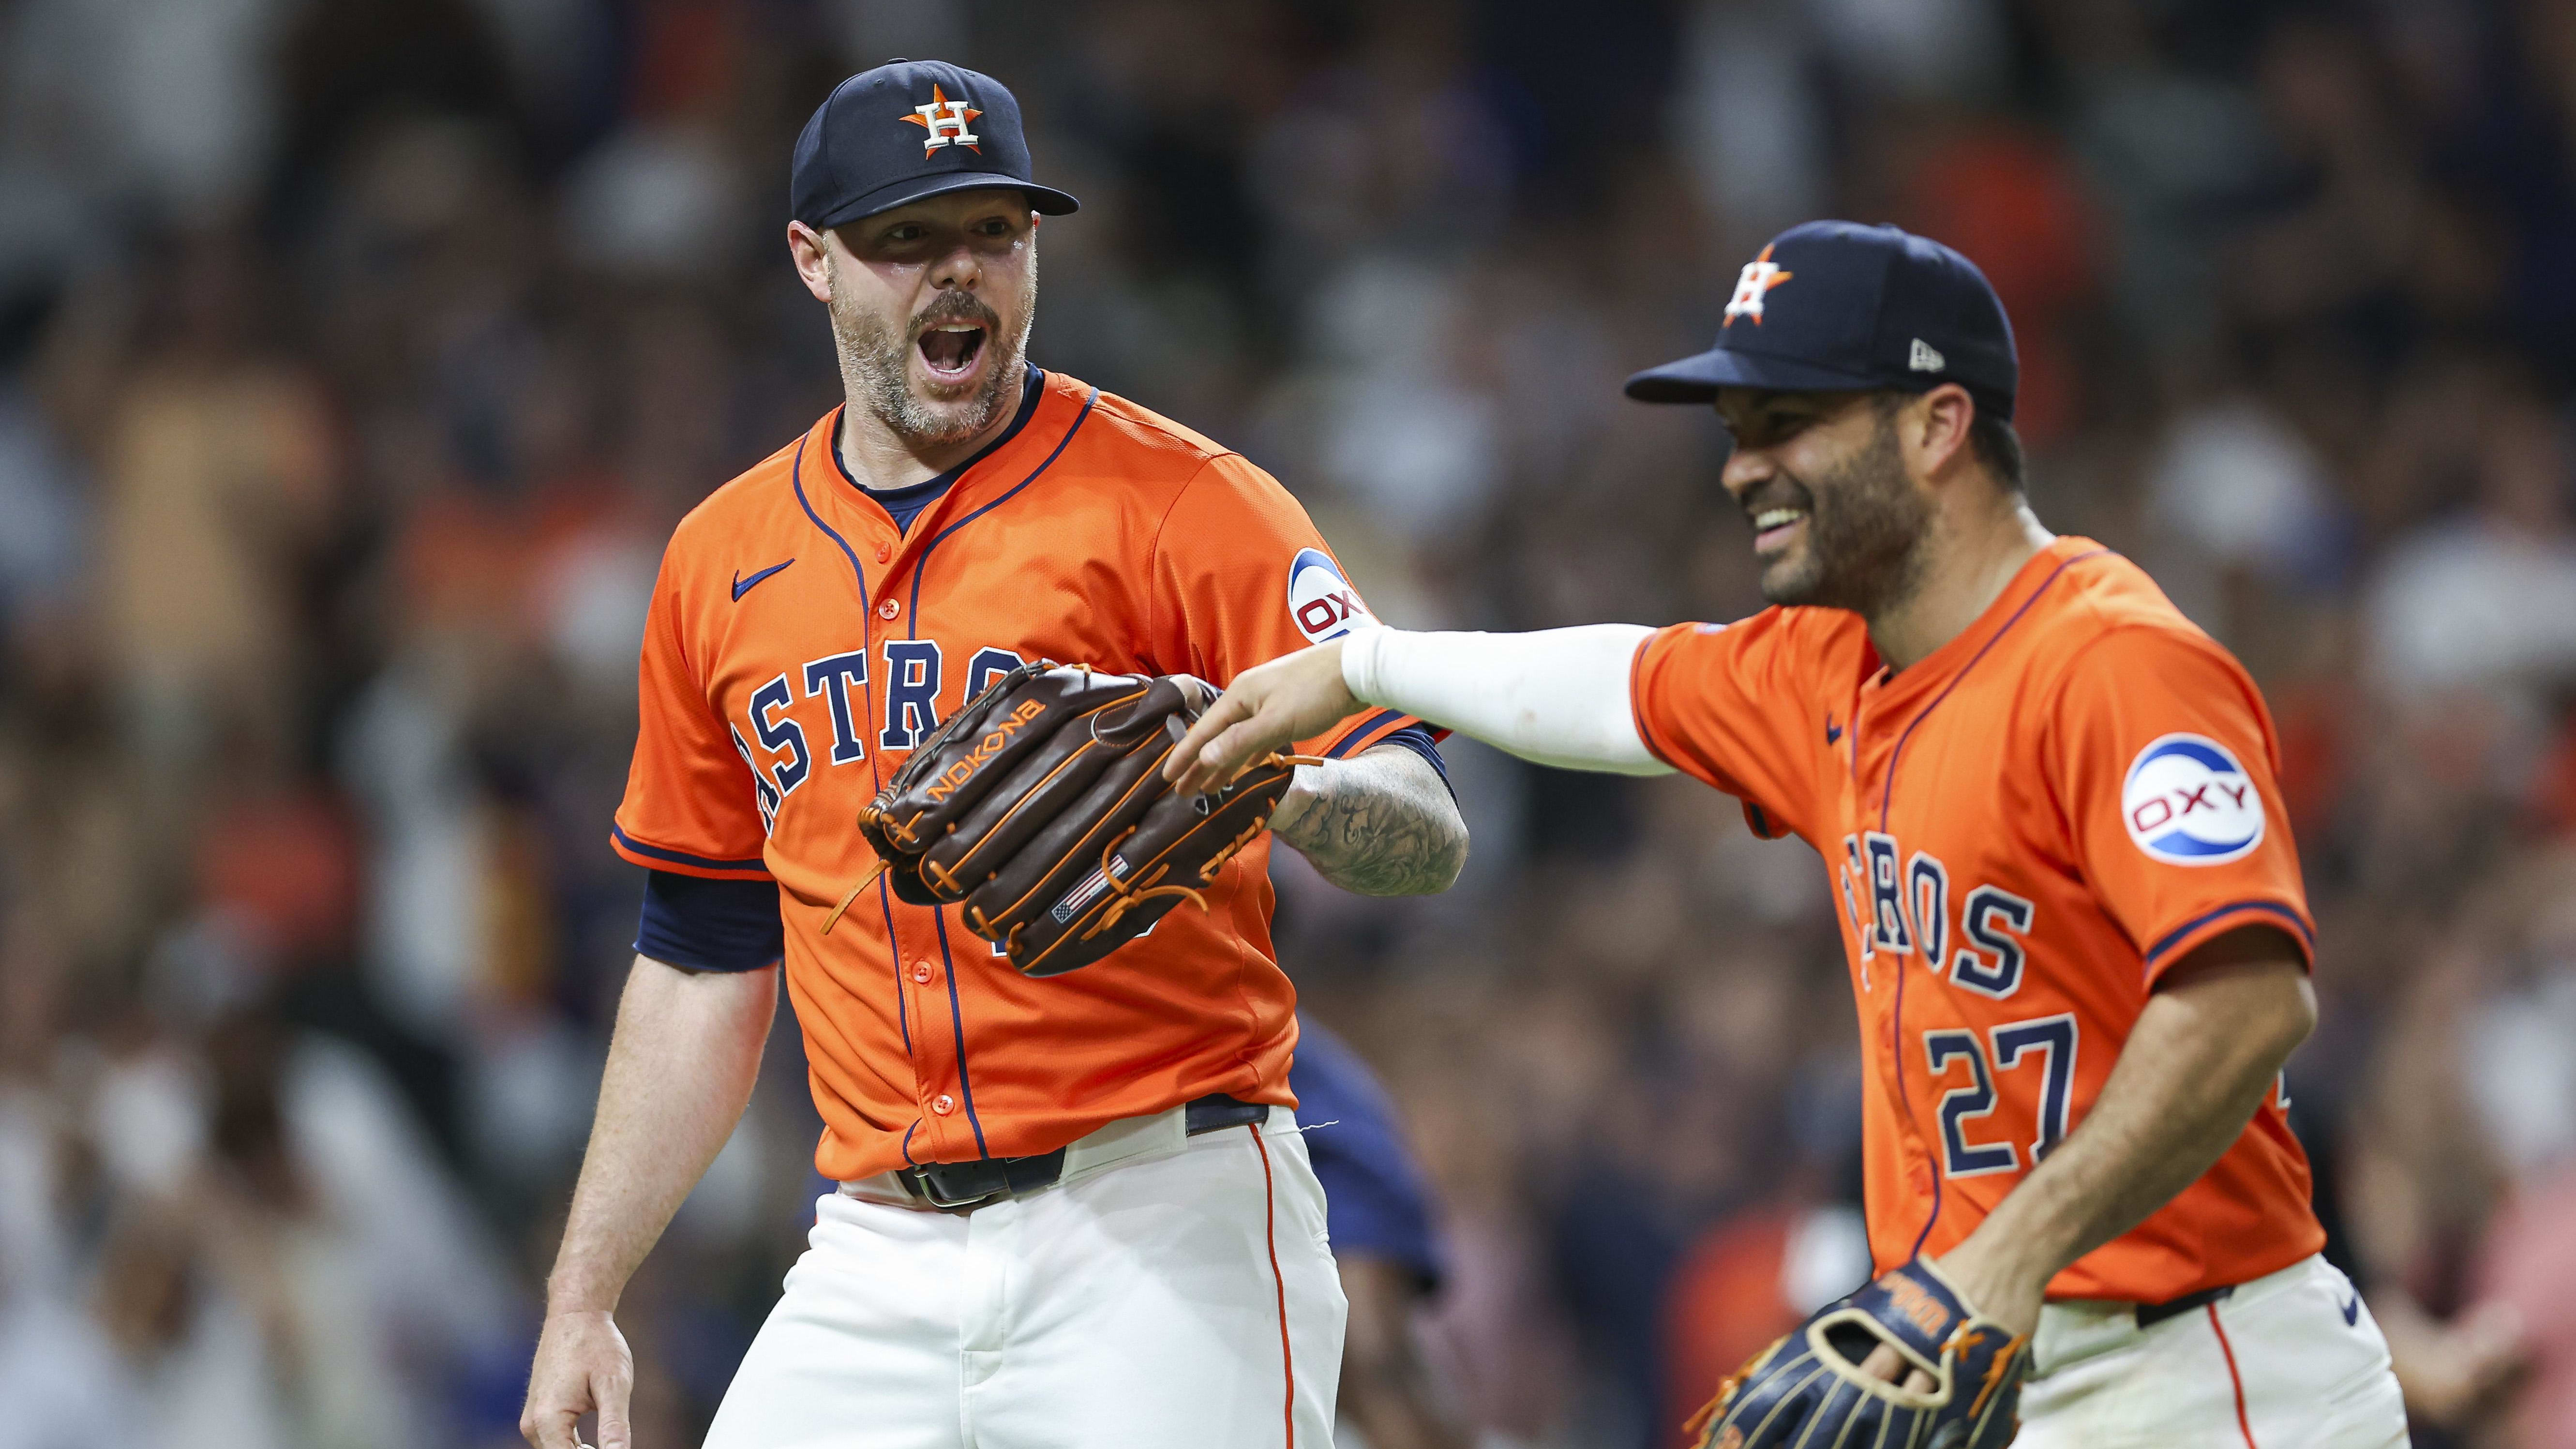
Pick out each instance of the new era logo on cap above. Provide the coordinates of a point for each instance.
(1872, 307)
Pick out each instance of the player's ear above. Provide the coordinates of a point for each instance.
(813, 256)
(1936, 430)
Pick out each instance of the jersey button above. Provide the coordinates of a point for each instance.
(884, 552)
(889, 609)
(921, 972)
(943, 1104)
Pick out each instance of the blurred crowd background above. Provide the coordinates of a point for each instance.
(356, 358)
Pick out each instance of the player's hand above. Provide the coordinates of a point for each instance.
(1293, 697)
(1995, 1283)
(583, 1366)
(1991, 1290)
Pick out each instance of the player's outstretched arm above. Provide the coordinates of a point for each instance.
(680, 1069)
(2209, 1044)
(1558, 696)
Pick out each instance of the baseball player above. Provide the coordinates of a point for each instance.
(1072, 1210)
(2069, 896)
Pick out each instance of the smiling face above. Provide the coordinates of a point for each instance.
(1836, 520)
(931, 305)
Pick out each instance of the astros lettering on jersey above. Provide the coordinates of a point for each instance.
(2024, 829)
(799, 644)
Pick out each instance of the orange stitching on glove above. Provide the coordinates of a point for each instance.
(1697, 1424)
(1995, 1373)
(1694, 1427)
(1139, 783)
(1130, 894)
(1129, 897)
(1120, 907)
(834, 919)
(1252, 832)
(1231, 849)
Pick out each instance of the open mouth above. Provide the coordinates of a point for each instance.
(951, 349)
(1773, 527)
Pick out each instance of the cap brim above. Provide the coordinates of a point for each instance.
(1045, 200)
(1696, 379)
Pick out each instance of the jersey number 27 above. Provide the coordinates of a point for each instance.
(2043, 1046)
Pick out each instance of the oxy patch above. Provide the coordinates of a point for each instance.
(1322, 602)
(2188, 802)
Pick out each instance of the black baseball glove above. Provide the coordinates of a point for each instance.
(1807, 1391)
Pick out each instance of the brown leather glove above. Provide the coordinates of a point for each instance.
(1041, 807)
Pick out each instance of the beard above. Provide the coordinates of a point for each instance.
(876, 365)
(1866, 529)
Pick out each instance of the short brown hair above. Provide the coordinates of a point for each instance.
(1999, 448)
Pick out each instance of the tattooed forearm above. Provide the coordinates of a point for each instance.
(1382, 824)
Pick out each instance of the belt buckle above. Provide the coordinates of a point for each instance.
(927, 1188)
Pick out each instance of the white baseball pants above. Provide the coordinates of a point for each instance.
(2292, 1360)
(1171, 1292)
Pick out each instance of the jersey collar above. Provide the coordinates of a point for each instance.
(1032, 388)
(1050, 406)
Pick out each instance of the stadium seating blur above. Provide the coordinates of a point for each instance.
(356, 358)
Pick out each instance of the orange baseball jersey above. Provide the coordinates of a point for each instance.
(800, 643)
(2023, 830)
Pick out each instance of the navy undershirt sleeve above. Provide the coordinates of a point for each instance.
(710, 925)
(1418, 739)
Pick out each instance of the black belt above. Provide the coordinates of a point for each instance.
(2151, 1314)
(956, 1186)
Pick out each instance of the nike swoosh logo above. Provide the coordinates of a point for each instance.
(2352, 1312)
(1833, 731)
(742, 586)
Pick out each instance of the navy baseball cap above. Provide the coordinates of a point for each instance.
(906, 130)
(1834, 306)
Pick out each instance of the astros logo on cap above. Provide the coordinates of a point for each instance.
(1760, 275)
(946, 120)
